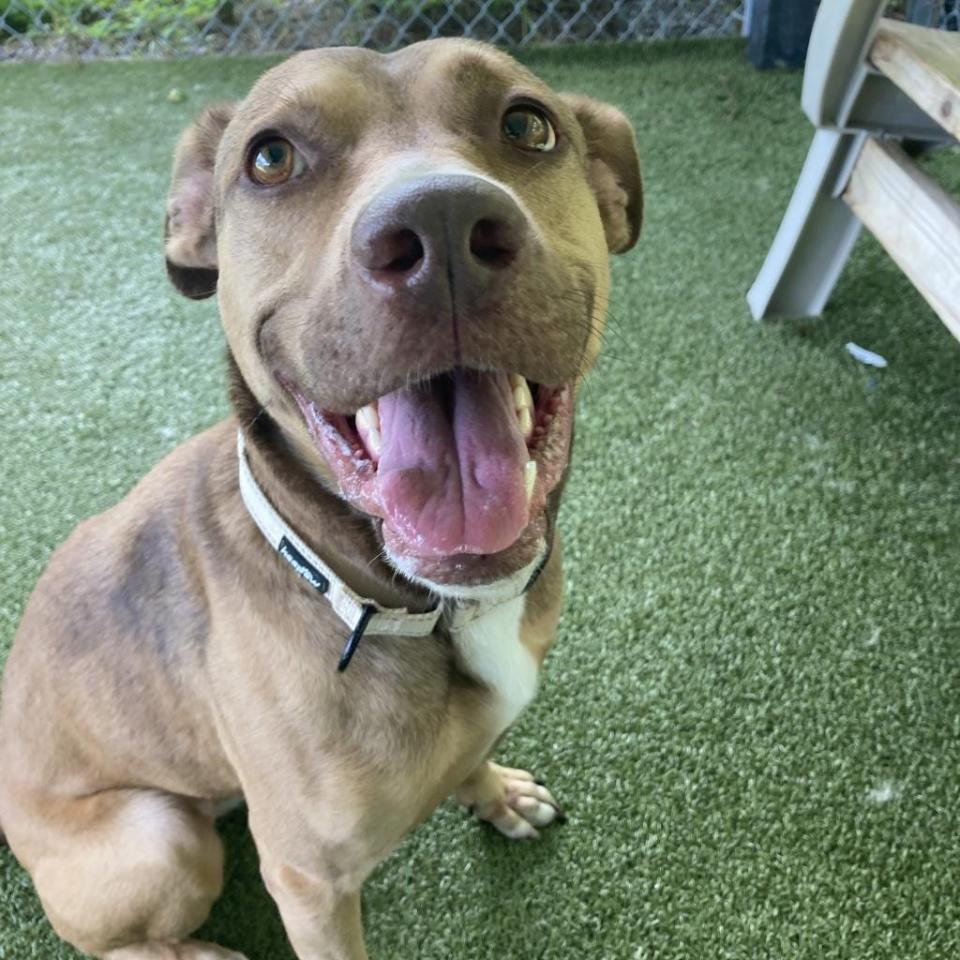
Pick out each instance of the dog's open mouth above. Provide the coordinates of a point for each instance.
(458, 464)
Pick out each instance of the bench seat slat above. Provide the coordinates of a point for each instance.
(915, 220)
(925, 64)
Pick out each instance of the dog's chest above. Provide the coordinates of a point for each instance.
(492, 652)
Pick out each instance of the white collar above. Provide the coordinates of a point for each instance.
(361, 614)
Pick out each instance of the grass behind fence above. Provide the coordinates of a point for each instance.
(59, 29)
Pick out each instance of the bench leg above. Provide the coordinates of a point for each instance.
(816, 236)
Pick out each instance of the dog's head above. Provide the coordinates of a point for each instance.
(410, 255)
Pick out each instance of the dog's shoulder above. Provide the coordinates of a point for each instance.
(127, 576)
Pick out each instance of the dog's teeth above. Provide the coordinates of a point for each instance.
(529, 478)
(522, 404)
(368, 417)
(368, 426)
(374, 442)
(526, 422)
(522, 396)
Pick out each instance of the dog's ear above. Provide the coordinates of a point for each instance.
(190, 236)
(614, 171)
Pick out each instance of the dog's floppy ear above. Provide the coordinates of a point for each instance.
(190, 237)
(614, 172)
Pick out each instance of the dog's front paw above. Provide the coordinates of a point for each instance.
(510, 800)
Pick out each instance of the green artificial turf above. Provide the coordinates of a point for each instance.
(753, 709)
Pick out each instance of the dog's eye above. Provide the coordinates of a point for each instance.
(528, 128)
(274, 161)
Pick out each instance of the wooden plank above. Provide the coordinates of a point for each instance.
(917, 222)
(925, 65)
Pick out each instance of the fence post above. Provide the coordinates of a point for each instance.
(779, 31)
(926, 13)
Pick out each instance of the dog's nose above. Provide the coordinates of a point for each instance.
(455, 228)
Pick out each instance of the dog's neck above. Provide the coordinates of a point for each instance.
(343, 538)
(335, 550)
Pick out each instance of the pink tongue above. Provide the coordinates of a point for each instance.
(450, 475)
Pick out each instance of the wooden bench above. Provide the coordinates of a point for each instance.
(869, 85)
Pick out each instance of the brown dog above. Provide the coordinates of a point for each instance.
(410, 256)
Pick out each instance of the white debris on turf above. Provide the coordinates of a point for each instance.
(883, 792)
(867, 357)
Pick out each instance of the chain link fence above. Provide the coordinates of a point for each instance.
(87, 29)
(58, 29)
(929, 13)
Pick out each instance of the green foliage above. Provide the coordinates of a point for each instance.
(22, 16)
(516, 15)
(112, 19)
(434, 9)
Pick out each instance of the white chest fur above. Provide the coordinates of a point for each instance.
(492, 652)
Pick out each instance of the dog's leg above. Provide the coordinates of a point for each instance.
(511, 800)
(124, 874)
(322, 921)
(314, 867)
